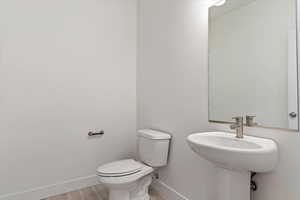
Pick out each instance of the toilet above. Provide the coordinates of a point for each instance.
(129, 179)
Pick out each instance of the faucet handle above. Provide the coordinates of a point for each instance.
(250, 120)
(238, 119)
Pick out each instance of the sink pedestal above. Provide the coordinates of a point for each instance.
(233, 185)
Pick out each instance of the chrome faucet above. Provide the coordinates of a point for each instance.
(238, 126)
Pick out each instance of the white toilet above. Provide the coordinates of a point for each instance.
(130, 179)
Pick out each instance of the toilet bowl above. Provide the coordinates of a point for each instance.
(130, 179)
(131, 182)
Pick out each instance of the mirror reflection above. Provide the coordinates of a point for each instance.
(253, 62)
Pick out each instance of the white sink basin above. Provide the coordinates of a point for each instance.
(226, 151)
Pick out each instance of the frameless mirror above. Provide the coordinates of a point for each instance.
(253, 62)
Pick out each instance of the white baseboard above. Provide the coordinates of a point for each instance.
(167, 192)
(51, 190)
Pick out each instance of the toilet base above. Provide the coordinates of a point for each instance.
(132, 191)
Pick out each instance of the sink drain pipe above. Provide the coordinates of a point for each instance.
(253, 185)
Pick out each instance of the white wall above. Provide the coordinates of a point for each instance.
(284, 182)
(66, 67)
(172, 87)
(249, 61)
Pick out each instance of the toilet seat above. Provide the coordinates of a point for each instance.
(120, 168)
(126, 179)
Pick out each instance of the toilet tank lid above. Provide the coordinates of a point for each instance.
(154, 135)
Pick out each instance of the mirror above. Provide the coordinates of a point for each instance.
(253, 62)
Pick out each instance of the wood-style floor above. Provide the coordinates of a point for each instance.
(96, 192)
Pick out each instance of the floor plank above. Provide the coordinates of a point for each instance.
(100, 195)
(75, 195)
(88, 194)
(97, 192)
(101, 191)
(59, 197)
(154, 195)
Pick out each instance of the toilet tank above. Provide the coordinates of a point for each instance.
(153, 147)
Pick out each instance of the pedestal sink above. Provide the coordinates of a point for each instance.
(236, 159)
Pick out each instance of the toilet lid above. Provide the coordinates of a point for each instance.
(122, 167)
